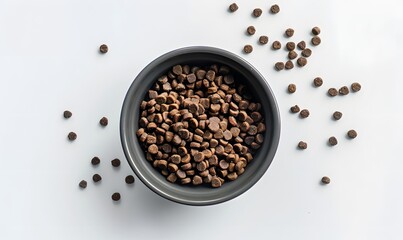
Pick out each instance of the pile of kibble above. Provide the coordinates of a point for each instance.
(301, 60)
(200, 124)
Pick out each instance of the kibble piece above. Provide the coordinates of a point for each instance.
(316, 40)
(180, 174)
(172, 177)
(116, 196)
(129, 179)
(344, 90)
(153, 149)
(352, 133)
(274, 9)
(233, 7)
(337, 115)
(115, 162)
(67, 114)
(103, 121)
(325, 180)
(95, 161)
(257, 12)
(301, 45)
(317, 82)
(355, 87)
(289, 65)
(83, 184)
(333, 141)
(292, 88)
(315, 30)
(292, 55)
(289, 32)
(295, 109)
(304, 113)
(263, 39)
(198, 157)
(302, 145)
(279, 66)
(197, 180)
(251, 30)
(103, 48)
(276, 45)
(290, 46)
(72, 136)
(248, 48)
(96, 177)
(332, 92)
(215, 182)
(302, 61)
(306, 52)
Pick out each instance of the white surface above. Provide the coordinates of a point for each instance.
(49, 62)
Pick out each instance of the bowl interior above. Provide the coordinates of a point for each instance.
(200, 195)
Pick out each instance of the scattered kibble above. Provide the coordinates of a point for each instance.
(95, 161)
(352, 133)
(355, 87)
(103, 48)
(316, 31)
(337, 115)
(274, 9)
(344, 90)
(248, 48)
(263, 39)
(290, 46)
(233, 7)
(276, 45)
(129, 179)
(292, 55)
(72, 136)
(103, 121)
(306, 52)
(96, 177)
(316, 40)
(292, 88)
(333, 141)
(302, 145)
(325, 180)
(301, 45)
(289, 65)
(295, 109)
(116, 196)
(304, 113)
(115, 162)
(251, 30)
(67, 114)
(332, 92)
(318, 81)
(83, 184)
(279, 66)
(257, 12)
(301, 61)
(289, 32)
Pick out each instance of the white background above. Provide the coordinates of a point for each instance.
(49, 62)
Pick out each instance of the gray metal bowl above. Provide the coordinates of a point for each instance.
(200, 195)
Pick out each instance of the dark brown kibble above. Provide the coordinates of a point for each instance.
(302, 61)
(325, 180)
(355, 87)
(290, 46)
(251, 30)
(72, 136)
(115, 162)
(216, 182)
(289, 32)
(295, 109)
(67, 114)
(274, 9)
(332, 92)
(333, 141)
(248, 48)
(263, 39)
(83, 184)
(96, 177)
(316, 31)
(292, 55)
(95, 161)
(233, 7)
(103, 121)
(317, 82)
(301, 45)
(304, 113)
(103, 48)
(257, 12)
(316, 40)
(344, 90)
(306, 52)
(276, 45)
(129, 179)
(279, 66)
(289, 65)
(352, 133)
(337, 115)
(116, 196)
(302, 145)
(292, 88)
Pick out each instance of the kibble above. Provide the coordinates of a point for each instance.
(355, 87)
(295, 109)
(129, 179)
(289, 65)
(352, 133)
(289, 32)
(333, 141)
(306, 52)
(290, 46)
(248, 48)
(301, 45)
(332, 92)
(302, 145)
(115, 162)
(83, 184)
(325, 180)
(304, 113)
(96, 177)
(251, 30)
(318, 81)
(279, 66)
(337, 115)
(67, 114)
(72, 136)
(292, 88)
(103, 121)
(103, 48)
(316, 40)
(315, 30)
(274, 9)
(257, 12)
(263, 40)
(292, 55)
(344, 90)
(276, 45)
(301, 61)
(233, 7)
(95, 161)
(116, 196)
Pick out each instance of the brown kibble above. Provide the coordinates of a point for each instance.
(292, 88)
(175, 158)
(316, 31)
(72, 136)
(344, 90)
(302, 145)
(292, 55)
(295, 109)
(332, 92)
(172, 177)
(316, 40)
(290, 46)
(153, 149)
(304, 113)
(317, 82)
(180, 174)
(227, 135)
(232, 176)
(251, 30)
(95, 161)
(201, 166)
(115, 162)
(289, 65)
(355, 87)
(248, 48)
(301, 45)
(116, 196)
(306, 52)
(186, 181)
(333, 141)
(274, 9)
(103, 48)
(325, 180)
(198, 157)
(129, 179)
(177, 69)
(257, 12)
(233, 7)
(276, 45)
(67, 114)
(223, 164)
(261, 127)
(96, 177)
(302, 61)
(289, 33)
(263, 40)
(215, 182)
(352, 133)
(197, 180)
(83, 184)
(279, 66)
(337, 115)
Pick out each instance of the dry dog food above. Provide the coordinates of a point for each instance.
(337, 115)
(96, 177)
(289, 32)
(292, 88)
(302, 145)
(83, 184)
(251, 30)
(295, 109)
(316, 31)
(333, 141)
(233, 7)
(332, 92)
(279, 66)
(103, 121)
(318, 81)
(129, 179)
(248, 48)
(200, 125)
(263, 39)
(276, 45)
(325, 180)
(67, 114)
(103, 48)
(115, 162)
(352, 133)
(275, 9)
(355, 87)
(95, 161)
(72, 136)
(304, 113)
(257, 12)
(116, 196)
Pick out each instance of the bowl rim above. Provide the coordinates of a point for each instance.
(212, 50)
